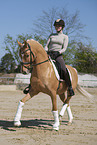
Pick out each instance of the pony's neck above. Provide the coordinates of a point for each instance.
(41, 56)
(38, 50)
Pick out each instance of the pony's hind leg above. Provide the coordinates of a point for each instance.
(63, 98)
(19, 110)
(65, 107)
(70, 116)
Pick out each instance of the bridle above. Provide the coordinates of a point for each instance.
(31, 62)
(31, 54)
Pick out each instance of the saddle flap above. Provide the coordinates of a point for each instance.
(57, 70)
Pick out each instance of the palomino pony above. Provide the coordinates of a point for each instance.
(43, 79)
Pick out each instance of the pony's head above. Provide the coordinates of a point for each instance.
(27, 57)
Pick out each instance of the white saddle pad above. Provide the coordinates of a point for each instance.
(56, 71)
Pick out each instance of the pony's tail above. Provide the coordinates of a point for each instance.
(85, 93)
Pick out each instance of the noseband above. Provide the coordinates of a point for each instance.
(31, 62)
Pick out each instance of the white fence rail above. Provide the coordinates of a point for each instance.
(87, 80)
(84, 80)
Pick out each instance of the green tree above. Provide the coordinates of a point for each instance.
(7, 63)
(85, 59)
(11, 46)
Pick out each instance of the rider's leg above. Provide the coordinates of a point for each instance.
(68, 82)
(66, 75)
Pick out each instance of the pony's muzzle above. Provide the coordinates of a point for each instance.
(25, 72)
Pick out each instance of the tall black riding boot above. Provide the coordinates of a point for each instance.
(68, 83)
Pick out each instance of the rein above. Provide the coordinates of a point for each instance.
(31, 62)
(40, 62)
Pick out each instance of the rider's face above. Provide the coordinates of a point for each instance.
(58, 28)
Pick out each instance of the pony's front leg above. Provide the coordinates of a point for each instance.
(19, 110)
(55, 112)
(56, 120)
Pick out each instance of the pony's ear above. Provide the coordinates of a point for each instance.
(20, 44)
(25, 43)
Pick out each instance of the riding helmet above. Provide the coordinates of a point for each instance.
(59, 22)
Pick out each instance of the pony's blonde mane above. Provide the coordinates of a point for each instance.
(37, 45)
(31, 40)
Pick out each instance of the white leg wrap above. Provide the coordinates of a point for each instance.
(18, 114)
(63, 110)
(56, 120)
(70, 116)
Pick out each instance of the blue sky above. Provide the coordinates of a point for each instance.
(17, 16)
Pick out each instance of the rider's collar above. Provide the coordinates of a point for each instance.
(60, 32)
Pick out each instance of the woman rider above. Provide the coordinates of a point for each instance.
(56, 45)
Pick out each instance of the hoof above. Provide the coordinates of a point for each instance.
(17, 123)
(69, 123)
(56, 126)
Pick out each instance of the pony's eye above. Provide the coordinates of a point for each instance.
(27, 55)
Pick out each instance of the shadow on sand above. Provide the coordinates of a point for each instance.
(34, 124)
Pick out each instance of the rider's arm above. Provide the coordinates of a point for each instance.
(47, 45)
(65, 44)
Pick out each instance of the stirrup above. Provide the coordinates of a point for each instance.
(26, 90)
(70, 92)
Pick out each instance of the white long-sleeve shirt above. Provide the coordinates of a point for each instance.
(57, 42)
